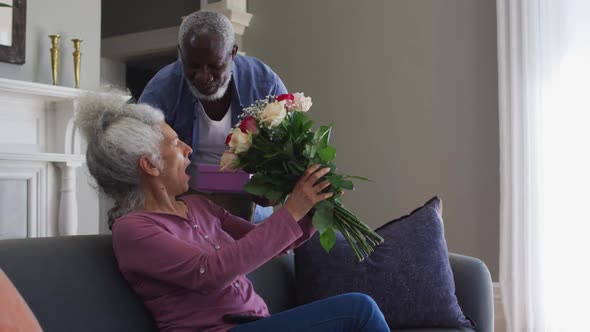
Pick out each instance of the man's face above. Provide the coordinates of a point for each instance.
(207, 65)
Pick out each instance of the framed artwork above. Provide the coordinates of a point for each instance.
(13, 19)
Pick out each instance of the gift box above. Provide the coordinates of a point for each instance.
(211, 179)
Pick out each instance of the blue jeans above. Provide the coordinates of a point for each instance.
(343, 313)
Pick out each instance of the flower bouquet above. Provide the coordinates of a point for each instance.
(274, 141)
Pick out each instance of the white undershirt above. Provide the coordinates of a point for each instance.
(211, 145)
(212, 136)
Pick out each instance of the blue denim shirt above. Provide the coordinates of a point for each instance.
(168, 91)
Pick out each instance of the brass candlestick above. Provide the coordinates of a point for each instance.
(54, 57)
(77, 56)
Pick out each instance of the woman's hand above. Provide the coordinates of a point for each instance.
(307, 193)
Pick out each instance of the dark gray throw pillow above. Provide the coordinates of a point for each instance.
(409, 275)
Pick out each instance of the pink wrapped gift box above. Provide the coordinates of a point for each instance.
(211, 179)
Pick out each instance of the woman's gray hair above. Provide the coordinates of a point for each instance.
(204, 21)
(118, 134)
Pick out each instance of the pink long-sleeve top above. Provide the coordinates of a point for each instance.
(191, 271)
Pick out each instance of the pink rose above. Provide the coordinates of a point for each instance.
(288, 100)
(286, 96)
(229, 162)
(301, 102)
(249, 125)
(240, 141)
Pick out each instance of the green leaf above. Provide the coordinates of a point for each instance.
(285, 166)
(332, 166)
(327, 153)
(346, 185)
(298, 120)
(358, 178)
(288, 149)
(327, 240)
(257, 186)
(310, 151)
(307, 152)
(338, 182)
(322, 136)
(5, 5)
(273, 195)
(334, 179)
(298, 168)
(324, 216)
(307, 126)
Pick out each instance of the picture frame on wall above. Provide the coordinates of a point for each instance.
(13, 19)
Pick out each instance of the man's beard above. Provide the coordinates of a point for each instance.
(216, 96)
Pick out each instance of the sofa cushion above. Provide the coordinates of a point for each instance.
(15, 314)
(409, 275)
(72, 283)
(275, 283)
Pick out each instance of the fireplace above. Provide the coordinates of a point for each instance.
(40, 153)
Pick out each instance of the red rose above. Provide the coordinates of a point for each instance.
(250, 125)
(286, 96)
(228, 138)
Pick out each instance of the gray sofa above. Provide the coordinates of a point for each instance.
(72, 284)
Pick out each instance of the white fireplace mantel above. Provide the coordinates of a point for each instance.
(60, 158)
(39, 151)
(38, 90)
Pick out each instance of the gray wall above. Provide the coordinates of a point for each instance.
(70, 19)
(411, 86)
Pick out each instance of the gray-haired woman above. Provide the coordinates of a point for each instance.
(187, 258)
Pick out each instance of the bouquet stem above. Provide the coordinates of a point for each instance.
(359, 236)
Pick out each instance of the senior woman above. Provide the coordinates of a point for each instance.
(187, 258)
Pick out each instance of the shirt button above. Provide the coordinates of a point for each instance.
(195, 226)
(217, 247)
(237, 284)
(206, 236)
(202, 270)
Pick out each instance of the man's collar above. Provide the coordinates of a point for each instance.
(235, 79)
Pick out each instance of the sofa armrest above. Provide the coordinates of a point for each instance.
(473, 286)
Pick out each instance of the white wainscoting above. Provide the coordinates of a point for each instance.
(25, 205)
(12, 192)
(39, 155)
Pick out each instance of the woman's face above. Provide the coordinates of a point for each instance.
(175, 155)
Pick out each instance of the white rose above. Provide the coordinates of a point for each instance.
(240, 141)
(302, 102)
(229, 162)
(273, 114)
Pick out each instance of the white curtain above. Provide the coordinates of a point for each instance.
(544, 78)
